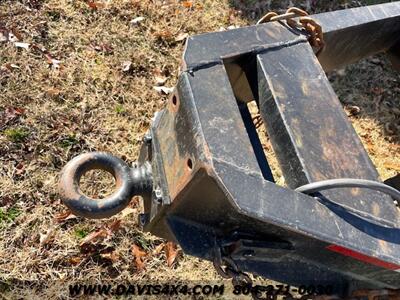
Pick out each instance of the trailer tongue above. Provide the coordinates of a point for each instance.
(205, 179)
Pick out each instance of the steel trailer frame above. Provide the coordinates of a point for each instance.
(215, 189)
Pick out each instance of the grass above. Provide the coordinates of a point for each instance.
(9, 215)
(68, 141)
(16, 135)
(80, 233)
(90, 103)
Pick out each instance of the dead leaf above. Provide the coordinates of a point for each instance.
(22, 45)
(112, 255)
(164, 34)
(126, 66)
(187, 4)
(64, 216)
(160, 80)
(157, 250)
(171, 252)
(163, 89)
(19, 169)
(75, 260)
(137, 20)
(138, 253)
(101, 233)
(181, 37)
(96, 5)
(115, 226)
(47, 237)
(10, 114)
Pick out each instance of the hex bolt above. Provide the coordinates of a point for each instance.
(158, 197)
(147, 138)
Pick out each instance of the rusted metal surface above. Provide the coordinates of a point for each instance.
(231, 189)
(311, 134)
(304, 21)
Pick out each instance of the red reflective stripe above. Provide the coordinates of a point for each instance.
(362, 257)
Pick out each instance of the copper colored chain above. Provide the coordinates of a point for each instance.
(304, 21)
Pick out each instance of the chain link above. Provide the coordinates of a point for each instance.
(227, 268)
(304, 21)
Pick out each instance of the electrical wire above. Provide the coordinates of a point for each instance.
(349, 183)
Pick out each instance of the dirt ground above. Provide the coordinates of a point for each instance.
(79, 76)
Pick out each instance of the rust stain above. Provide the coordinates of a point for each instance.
(376, 209)
(297, 133)
(383, 245)
(355, 191)
(305, 87)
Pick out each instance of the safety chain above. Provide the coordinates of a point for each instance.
(313, 29)
(227, 268)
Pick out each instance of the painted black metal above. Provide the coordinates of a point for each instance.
(130, 182)
(394, 181)
(229, 194)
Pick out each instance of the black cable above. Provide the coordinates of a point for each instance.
(349, 183)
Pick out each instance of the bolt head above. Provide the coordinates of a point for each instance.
(147, 138)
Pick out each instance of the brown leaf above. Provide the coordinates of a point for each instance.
(187, 4)
(139, 254)
(47, 237)
(113, 256)
(102, 233)
(163, 34)
(115, 226)
(171, 252)
(66, 215)
(75, 260)
(157, 250)
(96, 5)
(96, 235)
(10, 114)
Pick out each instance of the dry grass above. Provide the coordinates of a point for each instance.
(48, 115)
